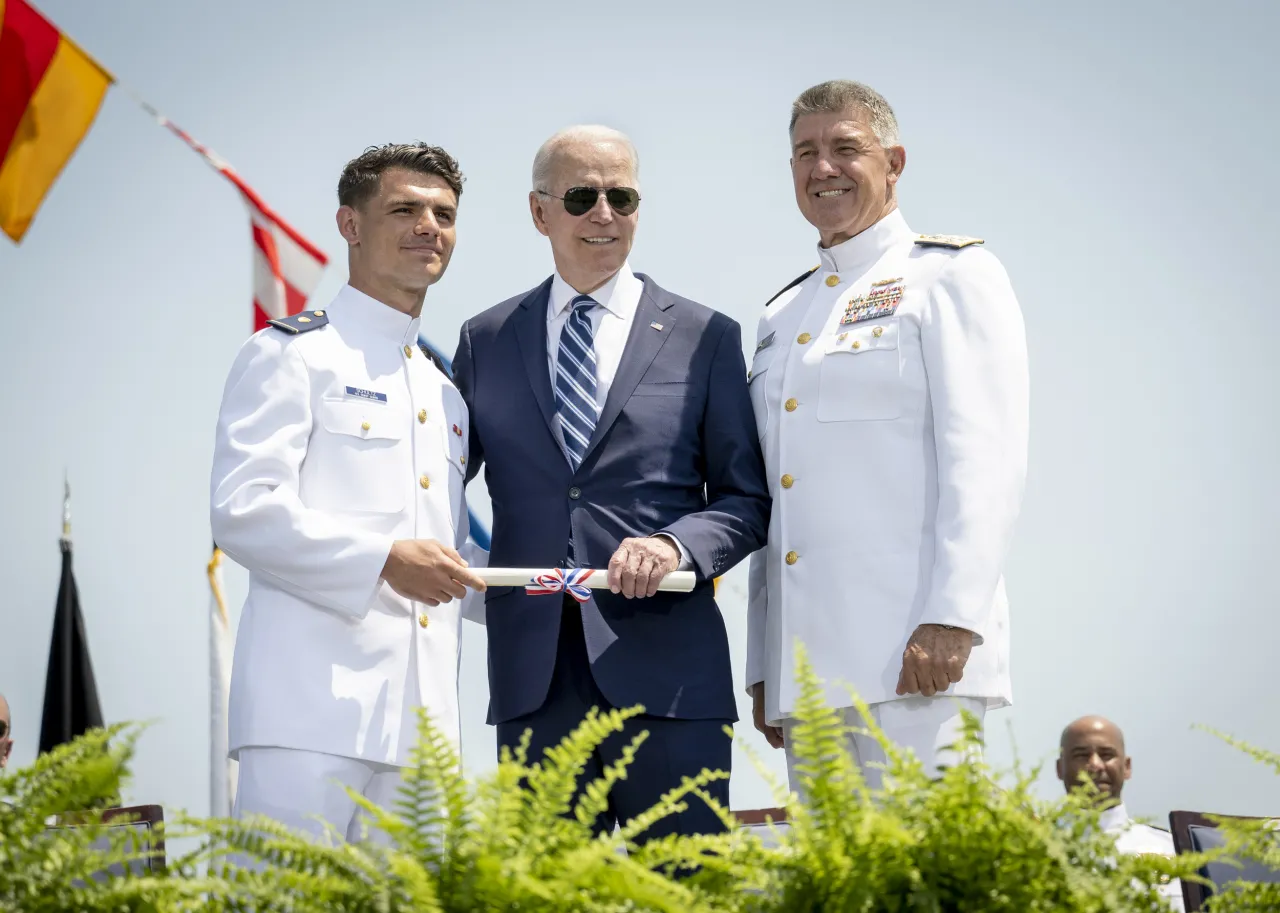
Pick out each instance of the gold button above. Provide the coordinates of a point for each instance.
(787, 481)
(304, 320)
(857, 344)
(803, 338)
(423, 620)
(424, 482)
(792, 557)
(878, 332)
(422, 416)
(462, 460)
(790, 405)
(833, 281)
(408, 352)
(364, 425)
(318, 313)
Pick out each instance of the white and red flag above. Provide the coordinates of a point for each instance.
(286, 266)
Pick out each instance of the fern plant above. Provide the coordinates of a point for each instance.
(966, 841)
(520, 838)
(50, 869)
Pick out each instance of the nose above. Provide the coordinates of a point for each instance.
(1095, 764)
(602, 212)
(427, 224)
(823, 169)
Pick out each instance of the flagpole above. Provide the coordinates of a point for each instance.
(67, 634)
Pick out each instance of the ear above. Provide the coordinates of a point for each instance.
(897, 162)
(349, 225)
(538, 214)
(1062, 771)
(1128, 767)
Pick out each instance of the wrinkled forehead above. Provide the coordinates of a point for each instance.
(406, 185)
(592, 163)
(829, 125)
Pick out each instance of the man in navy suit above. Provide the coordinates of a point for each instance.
(617, 430)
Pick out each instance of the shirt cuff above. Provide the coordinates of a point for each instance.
(686, 563)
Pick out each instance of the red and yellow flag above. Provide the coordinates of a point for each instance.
(50, 92)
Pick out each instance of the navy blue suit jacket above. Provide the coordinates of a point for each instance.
(675, 451)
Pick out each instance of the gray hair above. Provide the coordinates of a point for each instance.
(839, 95)
(544, 161)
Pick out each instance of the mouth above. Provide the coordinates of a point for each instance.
(423, 250)
(599, 241)
(834, 192)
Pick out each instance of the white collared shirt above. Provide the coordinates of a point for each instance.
(1134, 838)
(610, 324)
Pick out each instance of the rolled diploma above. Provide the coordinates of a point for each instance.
(675, 582)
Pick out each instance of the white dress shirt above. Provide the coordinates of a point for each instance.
(1134, 838)
(610, 328)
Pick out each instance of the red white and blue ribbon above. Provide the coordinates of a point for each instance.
(559, 580)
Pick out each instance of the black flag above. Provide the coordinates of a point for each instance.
(70, 695)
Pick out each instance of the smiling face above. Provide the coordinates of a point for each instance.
(844, 178)
(588, 249)
(401, 238)
(1094, 747)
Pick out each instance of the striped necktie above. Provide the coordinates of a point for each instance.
(576, 405)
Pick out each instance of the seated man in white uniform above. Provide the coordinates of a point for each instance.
(1093, 746)
(337, 482)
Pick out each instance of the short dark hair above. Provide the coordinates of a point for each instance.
(359, 181)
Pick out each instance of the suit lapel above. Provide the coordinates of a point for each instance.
(643, 344)
(531, 336)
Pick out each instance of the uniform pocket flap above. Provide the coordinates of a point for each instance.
(368, 421)
(869, 337)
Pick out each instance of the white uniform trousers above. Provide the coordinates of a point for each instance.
(926, 725)
(305, 790)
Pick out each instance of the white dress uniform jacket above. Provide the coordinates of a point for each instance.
(1133, 838)
(891, 397)
(332, 444)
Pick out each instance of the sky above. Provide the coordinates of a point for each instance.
(1117, 158)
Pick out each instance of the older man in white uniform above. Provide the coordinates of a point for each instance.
(1092, 747)
(891, 396)
(338, 482)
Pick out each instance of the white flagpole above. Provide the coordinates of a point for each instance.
(222, 773)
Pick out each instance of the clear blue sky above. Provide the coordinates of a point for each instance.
(1119, 159)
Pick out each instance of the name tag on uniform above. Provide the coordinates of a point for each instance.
(766, 342)
(371, 396)
(879, 302)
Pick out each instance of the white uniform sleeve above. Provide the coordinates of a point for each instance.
(757, 612)
(975, 358)
(475, 556)
(255, 512)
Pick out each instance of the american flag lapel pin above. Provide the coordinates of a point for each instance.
(656, 325)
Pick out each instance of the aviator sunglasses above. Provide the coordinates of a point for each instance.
(581, 200)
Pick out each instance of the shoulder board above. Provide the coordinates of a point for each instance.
(955, 242)
(303, 322)
(790, 285)
(435, 360)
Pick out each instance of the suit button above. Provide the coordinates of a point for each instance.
(575, 493)
(803, 338)
(792, 557)
(787, 481)
(857, 344)
(364, 426)
(408, 352)
(423, 620)
(878, 332)
(424, 482)
(833, 281)
(790, 405)
(422, 416)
